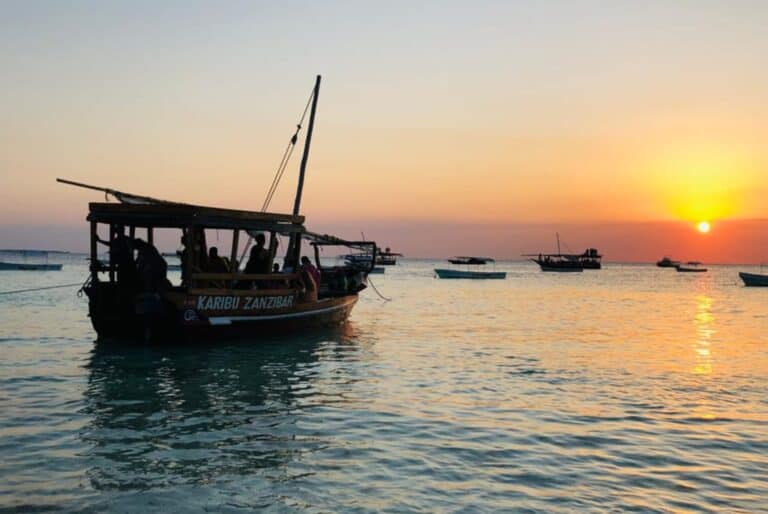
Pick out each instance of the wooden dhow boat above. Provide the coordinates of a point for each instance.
(566, 262)
(131, 296)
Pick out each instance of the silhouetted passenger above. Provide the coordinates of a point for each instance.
(307, 265)
(260, 260)
(151, 267)
(309, 284)
(215, 263)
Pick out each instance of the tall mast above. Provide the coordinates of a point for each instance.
(307, 143)
(557, 234)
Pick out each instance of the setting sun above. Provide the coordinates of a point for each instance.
(703, 227)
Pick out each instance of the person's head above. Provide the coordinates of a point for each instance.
(213, 252)
(305, 260)
(275, 267)
(260, 239)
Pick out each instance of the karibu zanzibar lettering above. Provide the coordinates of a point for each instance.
(246, 303)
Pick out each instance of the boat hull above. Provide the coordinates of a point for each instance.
(551, 269)
(559, 266)
(23, 266)
(754, 279)
(452, 273)
(682, 269)
(225, 315)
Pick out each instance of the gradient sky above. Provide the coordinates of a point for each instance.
(608, 121)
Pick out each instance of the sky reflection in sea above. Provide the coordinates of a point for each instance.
(631, 388)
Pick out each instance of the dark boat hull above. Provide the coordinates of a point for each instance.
(23, 266)
(560, 267)
(754, 279)
(178, 317)
(477, 275)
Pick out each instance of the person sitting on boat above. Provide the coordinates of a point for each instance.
(306, 264)
(260, 260)
(216, 264)
(279, 282)
(197, 257)
(121, 252)
(309, 286)
(151, 267)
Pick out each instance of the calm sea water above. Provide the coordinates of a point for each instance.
(628, 389)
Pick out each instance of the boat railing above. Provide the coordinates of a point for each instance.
(218, 281)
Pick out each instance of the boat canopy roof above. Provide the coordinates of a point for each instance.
(179, 215)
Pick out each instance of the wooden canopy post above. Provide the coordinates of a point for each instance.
(112, 235)
(233, 255)
(94, 253)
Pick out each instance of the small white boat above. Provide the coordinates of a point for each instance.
(754, 279)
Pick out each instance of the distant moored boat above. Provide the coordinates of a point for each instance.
(567, 262)
(666, 262)
(690, 267)
(470, 273)
(30, 266)
(754, 279)
(24, 266)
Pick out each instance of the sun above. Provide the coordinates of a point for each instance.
(703, 227)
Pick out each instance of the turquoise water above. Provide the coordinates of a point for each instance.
(628, 389)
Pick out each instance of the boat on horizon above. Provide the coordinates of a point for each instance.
(382, 258)
(387, 257)
(469, 272)
(25, 265)
(690, 267)
(129, 297)
(667, 262)
(567, 262)
(754, 279)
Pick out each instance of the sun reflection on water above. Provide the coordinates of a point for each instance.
(704, 322)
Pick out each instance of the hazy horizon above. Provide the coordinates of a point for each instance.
(640, 242)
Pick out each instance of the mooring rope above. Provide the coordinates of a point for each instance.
(377, 291)
(40, 288)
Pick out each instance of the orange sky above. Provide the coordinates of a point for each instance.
(564, 114)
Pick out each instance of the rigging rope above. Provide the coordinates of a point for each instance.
(39, 288)
(287, 153)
